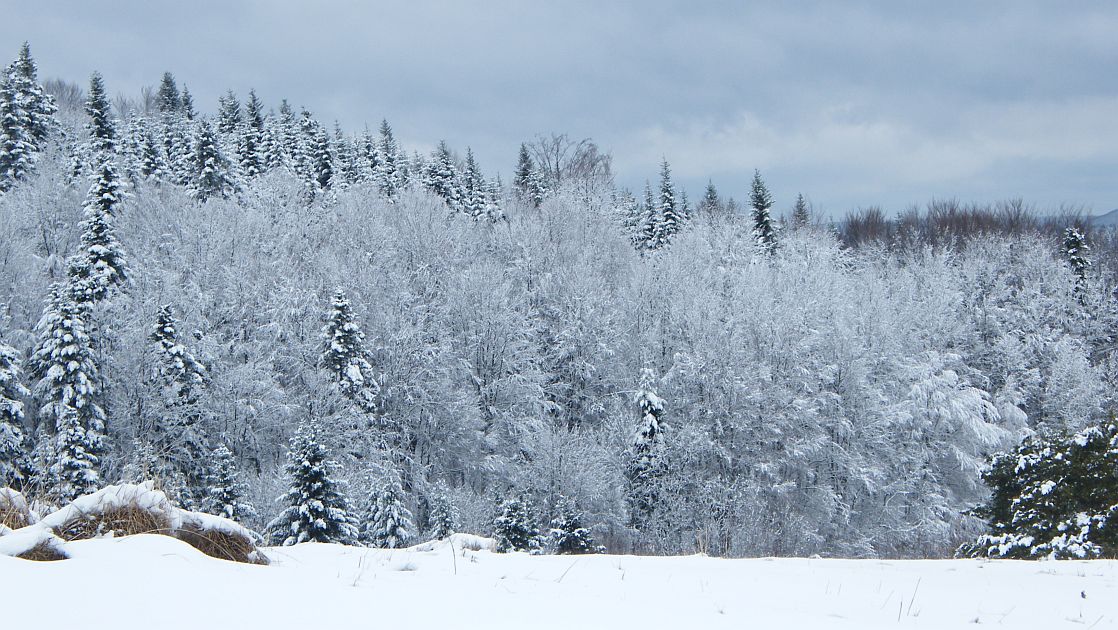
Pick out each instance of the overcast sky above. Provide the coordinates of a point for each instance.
(852, 103)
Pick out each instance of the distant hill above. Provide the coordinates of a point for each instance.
(1110, 219)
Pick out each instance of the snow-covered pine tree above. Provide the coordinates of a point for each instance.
(764, 232)
(442, 520)
(441, 177)
(388, 174)
(647, 236)
(39, 104)
(228, 116)
(1075, 251)
(1056, 496)
(389, 523)
(671, 219)
(167, 99)
(178, 436)
(77, 462)
(249, 148)
(344, 355)
(801, 216)
(68, 391)
(345, 158)
(473, 188)
(101, 127)
(646, 466)
(711, 204)
(152, 166)
(526, 179)
(493, 211)
(187, 110)
(225, 495)
(212, 173)
(568, 536)
(14, 458)
(316, 510)
(515, 526)
(101, 265)
(321, 159)
(17, 146)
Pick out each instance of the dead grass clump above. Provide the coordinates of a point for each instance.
(45, 551)
(221, 544)
(14, 511)
(124, 520)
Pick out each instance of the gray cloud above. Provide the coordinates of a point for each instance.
(852, 103)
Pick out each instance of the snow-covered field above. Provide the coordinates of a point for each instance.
(147, 582)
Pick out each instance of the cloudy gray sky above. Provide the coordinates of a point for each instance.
(853, 103)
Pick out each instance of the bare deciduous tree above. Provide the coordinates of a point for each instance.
(561, 159)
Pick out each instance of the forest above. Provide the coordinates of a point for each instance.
(250, 306)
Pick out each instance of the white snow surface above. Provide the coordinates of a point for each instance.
(331, 586)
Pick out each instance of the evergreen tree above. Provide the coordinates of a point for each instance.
(646, 465)
(68, 391)
(527, 181)
(344, 355)
(389, 524)
(473, 188)
(213, 176)
(249, 150)
(168, 99)
(568, 536)
(764, 232)
(228, 115)
(670, 217)
(316, 510)
(17, 147)
(1056, 496)
(388, 170)
(443, 518)
(102, 128)
(492, 210)
(40, 105)
(152, 166)
(1075, 252)
(76, 463)
(441, 177)
(711, 204)
(101, 265)
(321, 159)
(801, 216)
(226, 492)
(647, 237)
(187, 104)
(514, 528)
(14, 462)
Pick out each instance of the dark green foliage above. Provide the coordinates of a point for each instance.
(102, 129)
(1054, 497)
(168, 98)
(1075, 252)
(646, 464)
(14, 462)
(515, 528)
(225, 491)
(101, 265)
(316, 511)
(568, 536)
(763, 229)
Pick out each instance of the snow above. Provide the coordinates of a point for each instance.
(444, 585)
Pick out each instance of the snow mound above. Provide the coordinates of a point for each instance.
(14, 510)
(469, 542)
(121, 510)
(32, 543)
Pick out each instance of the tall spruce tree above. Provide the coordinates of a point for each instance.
(316, 509)
(344, 355)
(441, 177)
(764, 232)
(670, 216)
(212, 173)
(101, 126)
(14, 458)
(68, 391)
(389, 524)
(187, 110)
(249, 149)
(473, 188)
(17, 146)
(442, 521)
(168, 99)
(101, 265)
(801, 216)
(646, 466)
(527, 181)
(1075, 251)
(228, 115)
(40, 105)
(388, 170)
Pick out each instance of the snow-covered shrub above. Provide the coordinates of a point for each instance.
(219, 537)
(122, 510)
(1054, 497)
(514, 527)
(568, 536)
(14, 510)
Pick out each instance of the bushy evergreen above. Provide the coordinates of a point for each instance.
(225, 495)
(568, 536)
(388, 168)
(344, 355)
(389, 523)
(101, 265)
(250, 148)
(1075, 251)
(441, 177)
(14, 458)
(168, 98)
(1056, 496)
(316, 509)
(442, 521)
(212, 172)
(669, 216)
(801, 216)
(515, 526)
(101, 126)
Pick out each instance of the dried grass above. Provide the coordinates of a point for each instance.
(44, 552)
(220, 544)
(127, 520)
(14, 513)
